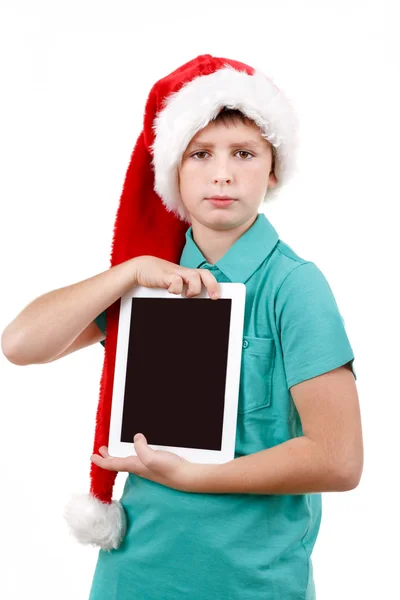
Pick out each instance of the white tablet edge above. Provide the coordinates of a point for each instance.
(235, 291)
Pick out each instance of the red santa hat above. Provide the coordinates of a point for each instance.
(151, 219)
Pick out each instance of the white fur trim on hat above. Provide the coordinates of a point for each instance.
(94, 522)
(191, 108)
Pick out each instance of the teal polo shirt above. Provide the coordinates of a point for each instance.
(182, 545)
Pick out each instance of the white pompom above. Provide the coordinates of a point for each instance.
(94, 522)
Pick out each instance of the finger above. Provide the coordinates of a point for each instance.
(194, 284)
(105, 463)
(176, 284)
(130, 464)
(210, 282)
(195, 279)
(104, 452)
(191, 278)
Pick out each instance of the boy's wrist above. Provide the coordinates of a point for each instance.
(133, 264)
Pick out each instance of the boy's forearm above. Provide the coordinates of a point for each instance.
(297, 466)
(51, 322)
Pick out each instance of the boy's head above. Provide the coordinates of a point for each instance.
(228, 157)
(228, 101)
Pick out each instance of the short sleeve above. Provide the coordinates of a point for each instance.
(101, 321)
(312, 331)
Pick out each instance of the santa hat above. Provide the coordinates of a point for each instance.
(152, 220)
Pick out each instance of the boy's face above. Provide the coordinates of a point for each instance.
(233, 160)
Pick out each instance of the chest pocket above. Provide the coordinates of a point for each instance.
(258, 360)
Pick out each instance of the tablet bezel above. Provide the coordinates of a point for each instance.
(237, 293)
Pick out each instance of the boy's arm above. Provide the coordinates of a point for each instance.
(327, 458)
(89, 336)
(49, 325)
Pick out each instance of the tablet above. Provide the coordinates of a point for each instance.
(177, 372)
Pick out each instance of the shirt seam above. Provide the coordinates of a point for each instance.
(296, 258)
(290, 272)
(308, 557)
(294, 380)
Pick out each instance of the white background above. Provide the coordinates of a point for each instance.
(75, 77)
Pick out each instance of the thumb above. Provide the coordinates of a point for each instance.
(143, 450)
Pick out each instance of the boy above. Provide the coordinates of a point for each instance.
(244, 529)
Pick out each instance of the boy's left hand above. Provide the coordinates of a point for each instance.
(160, 466)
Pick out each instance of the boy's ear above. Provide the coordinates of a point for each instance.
(272, 180)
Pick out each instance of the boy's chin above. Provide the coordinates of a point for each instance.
(221, 222)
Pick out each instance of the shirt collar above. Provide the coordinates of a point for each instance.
(243, 257)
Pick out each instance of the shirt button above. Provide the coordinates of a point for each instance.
(245, 343)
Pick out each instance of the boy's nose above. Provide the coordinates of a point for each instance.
(222, 179)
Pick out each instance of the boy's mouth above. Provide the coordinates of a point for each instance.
(221, 200)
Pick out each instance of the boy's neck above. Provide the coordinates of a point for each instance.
(214, 243)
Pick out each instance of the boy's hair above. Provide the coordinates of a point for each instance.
(229, 116)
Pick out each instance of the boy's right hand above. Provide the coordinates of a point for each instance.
(154, 272)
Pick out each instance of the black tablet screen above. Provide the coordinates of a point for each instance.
(176, 371)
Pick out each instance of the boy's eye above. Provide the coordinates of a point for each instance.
(238, 152)
(197, 153)
(245, 152)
